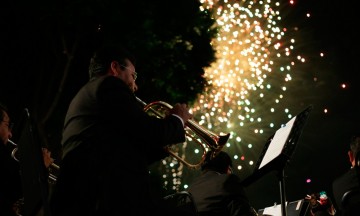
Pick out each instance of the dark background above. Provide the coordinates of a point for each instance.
(34, 60)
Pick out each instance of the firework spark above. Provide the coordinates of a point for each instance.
(249, 80)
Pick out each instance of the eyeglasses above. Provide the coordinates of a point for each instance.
(134, 74)
(10, 125)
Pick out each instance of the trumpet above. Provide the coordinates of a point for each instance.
(52, 166)
(203, 137)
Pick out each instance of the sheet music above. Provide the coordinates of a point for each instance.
(277, 144)
(273, 210)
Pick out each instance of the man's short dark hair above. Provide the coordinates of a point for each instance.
(220, 163)
(355, 145)
(3, 110)
(102, 58)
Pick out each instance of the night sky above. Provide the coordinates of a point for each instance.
(329, 84)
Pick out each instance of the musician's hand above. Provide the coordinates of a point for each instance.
(182, 111)
(47, 157)
(312, 199)
(18, 207)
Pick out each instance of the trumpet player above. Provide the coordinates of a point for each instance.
(10, 180)
(108, 142)
(11, 192)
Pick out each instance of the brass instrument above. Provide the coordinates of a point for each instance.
(197, 133)
(52, 166)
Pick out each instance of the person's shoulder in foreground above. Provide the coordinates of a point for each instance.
(218, 190)
(350, 179)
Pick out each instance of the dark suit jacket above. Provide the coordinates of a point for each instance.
(106, 109)
(108, 142)
(219, 194)
(10, 181)
(342, 184)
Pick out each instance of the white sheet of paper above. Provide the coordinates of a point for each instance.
(277, 144)
(273, 210)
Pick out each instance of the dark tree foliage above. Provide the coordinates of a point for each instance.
(171, 41)
(46, 47)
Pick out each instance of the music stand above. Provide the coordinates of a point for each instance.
(277, 152)
(33, 171)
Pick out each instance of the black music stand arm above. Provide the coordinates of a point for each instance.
(282, 192)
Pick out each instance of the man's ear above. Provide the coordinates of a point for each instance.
(351, 157)
(113, 68)
(229, 170)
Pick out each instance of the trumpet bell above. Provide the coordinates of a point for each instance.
(198, 139)
(192, 152)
